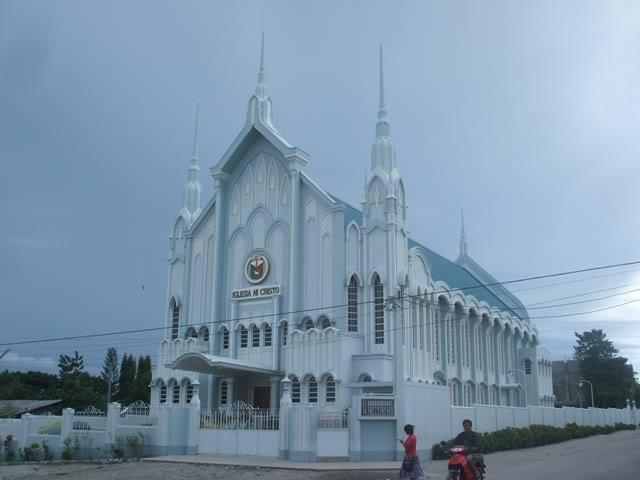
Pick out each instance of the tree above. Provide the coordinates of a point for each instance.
(111, 373)
(127, 379)
(82, 391)
(593, 345)
(611, 376)
(70, 366)
(143, 378)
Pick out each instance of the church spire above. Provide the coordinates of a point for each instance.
(463, 236)
(261, 88)
(382, 154)
(193, 189)
(260, 103)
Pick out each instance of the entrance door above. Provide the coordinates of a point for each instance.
(262, 397)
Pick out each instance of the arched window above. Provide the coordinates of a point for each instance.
(163, 392)
(364, 378)
(451, 340)
(176, 393)
(467, 344)
(453, 392)
(308, 324)
(378, 311)
(527, 366)
(295, 390)
(285, 332)
(191, 333)
(244, 337)
(267, 335)
(478, 347)
(204, 334)
(189, 391)
(330, 390)
(352, 305)
(490, 351)
(326, 323)
(312, 390)
(175, 319)
(255, 336)
(225, 338)
(224, 392)
(436, 333)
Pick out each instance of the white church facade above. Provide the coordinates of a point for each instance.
(275, 277)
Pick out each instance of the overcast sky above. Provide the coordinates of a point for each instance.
(525, 114)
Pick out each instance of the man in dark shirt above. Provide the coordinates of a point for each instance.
(471, 441)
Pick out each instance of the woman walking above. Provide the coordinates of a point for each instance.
(411, 468)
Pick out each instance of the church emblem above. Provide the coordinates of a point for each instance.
(256, 267)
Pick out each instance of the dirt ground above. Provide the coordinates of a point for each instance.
(173, 471)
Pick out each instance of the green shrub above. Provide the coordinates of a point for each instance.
(533, 436)
(47, 454)
(117, 448)
(71, 448)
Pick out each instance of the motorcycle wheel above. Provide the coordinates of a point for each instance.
(452, 476)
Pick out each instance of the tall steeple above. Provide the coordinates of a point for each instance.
(193, 189)
(260, 103)
(463, 237)
(383, 154)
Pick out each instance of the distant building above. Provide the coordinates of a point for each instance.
(15, 408)
(566, 375)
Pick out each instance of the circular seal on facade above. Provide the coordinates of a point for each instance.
(256, 267)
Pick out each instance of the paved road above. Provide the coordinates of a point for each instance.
(602, 457)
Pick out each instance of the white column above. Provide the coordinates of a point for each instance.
(113, 418)
(67, 423)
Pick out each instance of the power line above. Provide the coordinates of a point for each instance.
(320, 309)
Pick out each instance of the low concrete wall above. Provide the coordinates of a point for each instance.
(333, 443)
(262, 443)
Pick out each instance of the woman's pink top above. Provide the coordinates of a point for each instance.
(410, 446)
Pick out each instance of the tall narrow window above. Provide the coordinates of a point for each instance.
(267, 335)
(189, 391)
(467, 344)
(352, 305)
(224, 392)
(176, 393)
(500, 354)
(255, 336)
(175, 319)
(478, 342)
(163, 392)
(378, 312)
(451, 341)
(414, 330)
(490, 351)
(244, 337)
(527, 367)
(225, 339)
(308, 324)
(313, 390)
(326, 323)
(436, 334)
(285, 332)
(295, 390)
(191, 333)
(330, 390)
(421, 323)
(204, 334)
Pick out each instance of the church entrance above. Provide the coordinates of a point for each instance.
(262, 397)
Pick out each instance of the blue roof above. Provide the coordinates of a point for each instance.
(443, 269)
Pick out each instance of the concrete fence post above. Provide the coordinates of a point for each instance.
(284, 420)
(162, 438)
(25, 429)
(193, 413)
(113, 419)
(67, 423)
(355, 443)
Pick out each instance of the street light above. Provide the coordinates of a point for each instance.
(524, 383)
(591, 385)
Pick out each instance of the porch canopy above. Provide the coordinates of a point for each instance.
(219, 366)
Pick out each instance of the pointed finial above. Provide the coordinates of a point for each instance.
(381, 84)
(261, 88)
(463, 235)
(195, 134)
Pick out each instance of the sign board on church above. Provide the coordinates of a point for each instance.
(255, 292)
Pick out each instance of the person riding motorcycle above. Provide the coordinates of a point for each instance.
(471, 441)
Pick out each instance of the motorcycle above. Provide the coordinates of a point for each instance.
(459, 467)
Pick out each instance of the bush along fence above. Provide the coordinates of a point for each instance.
(132, 432)
(533, 436)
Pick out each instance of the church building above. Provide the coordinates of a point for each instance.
(276, 278)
